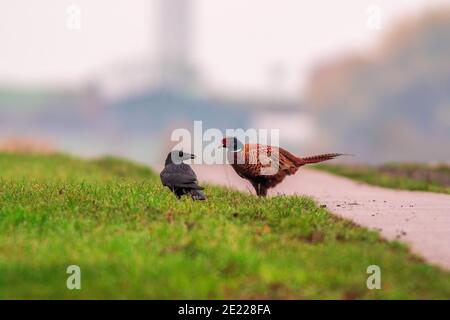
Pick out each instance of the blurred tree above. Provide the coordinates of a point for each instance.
(387, 106)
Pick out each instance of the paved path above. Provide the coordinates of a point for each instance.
(420, 219)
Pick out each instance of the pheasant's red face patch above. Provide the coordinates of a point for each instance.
(224, 142)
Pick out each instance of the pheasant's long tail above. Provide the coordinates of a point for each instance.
(318, 158)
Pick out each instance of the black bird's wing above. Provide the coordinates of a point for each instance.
(179, 176)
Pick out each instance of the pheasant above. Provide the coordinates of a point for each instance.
(266, 166)
(179, 177)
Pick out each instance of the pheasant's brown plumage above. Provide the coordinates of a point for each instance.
(267, 166)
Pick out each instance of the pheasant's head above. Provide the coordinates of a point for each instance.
(232, 144)
(178, 157)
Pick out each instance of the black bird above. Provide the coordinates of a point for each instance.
(179, 177)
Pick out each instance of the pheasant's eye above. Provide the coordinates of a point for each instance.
(180, 154)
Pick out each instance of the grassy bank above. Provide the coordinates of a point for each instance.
(416, 177)
(133, 239)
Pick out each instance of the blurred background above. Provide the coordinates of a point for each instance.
(96, 77)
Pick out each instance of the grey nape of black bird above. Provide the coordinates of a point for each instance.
(179, 177)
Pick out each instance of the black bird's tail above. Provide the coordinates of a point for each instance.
(197, 194)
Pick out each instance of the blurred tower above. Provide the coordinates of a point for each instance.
(174, 44)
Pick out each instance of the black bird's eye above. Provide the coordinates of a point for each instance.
(180, 154)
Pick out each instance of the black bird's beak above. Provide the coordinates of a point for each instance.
(192, 156)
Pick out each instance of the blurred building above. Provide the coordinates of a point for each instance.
(174, 28)
(170, 68)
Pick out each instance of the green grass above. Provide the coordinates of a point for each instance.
(133, 239)
(415, 177)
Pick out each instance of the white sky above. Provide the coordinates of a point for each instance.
(236, 42)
